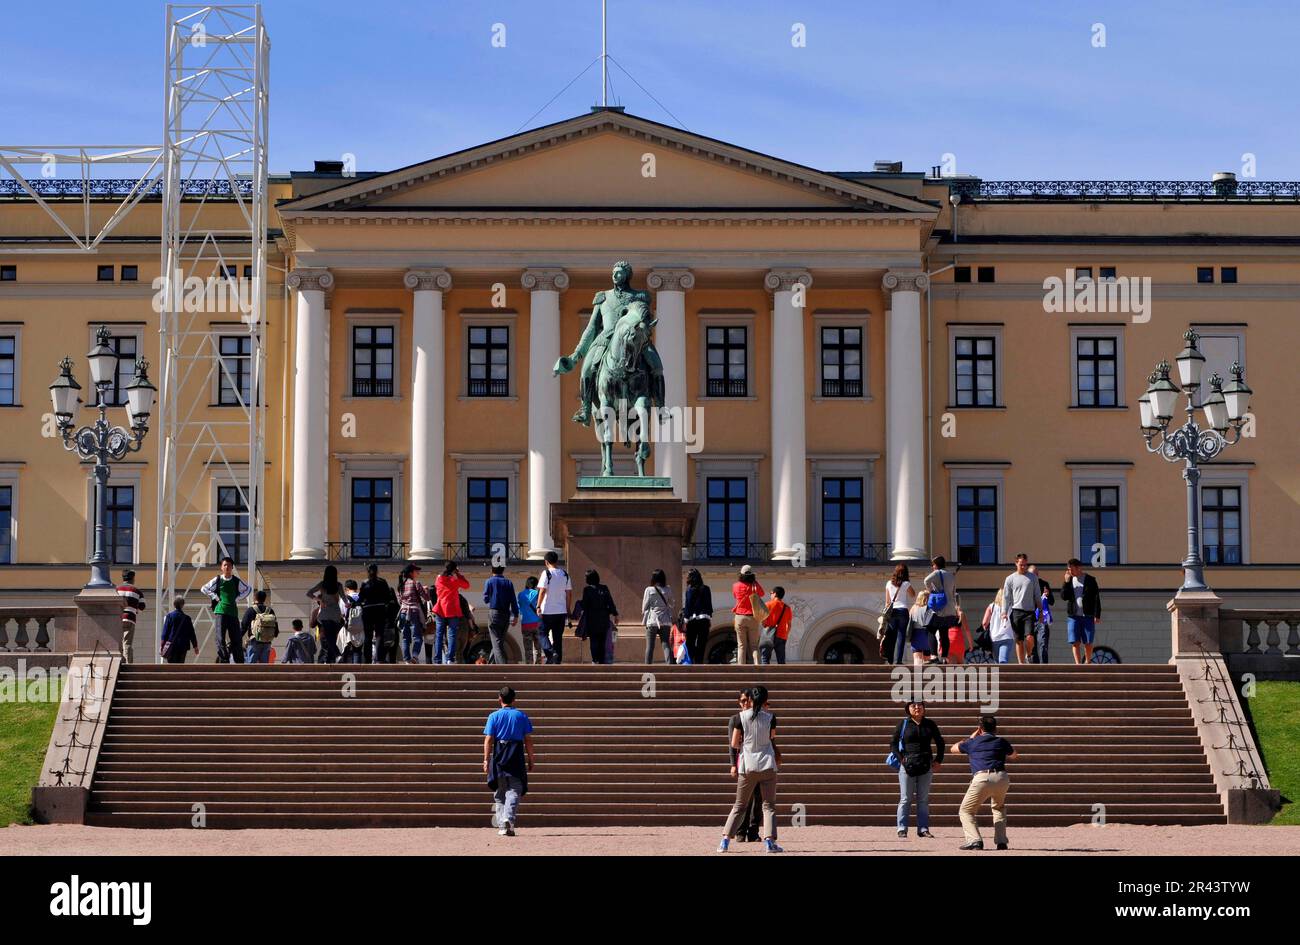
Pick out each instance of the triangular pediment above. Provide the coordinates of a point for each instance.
(607, 160)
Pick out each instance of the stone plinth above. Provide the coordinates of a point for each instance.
(1194, 619)
(99, 620)
(625, 531)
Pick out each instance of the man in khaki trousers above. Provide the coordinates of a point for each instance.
(746, 624)
(988, 755)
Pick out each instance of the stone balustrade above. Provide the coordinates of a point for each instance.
(1260, 632)
(38, 628)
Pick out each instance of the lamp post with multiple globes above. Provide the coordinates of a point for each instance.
(1225, 412)
(101, 441)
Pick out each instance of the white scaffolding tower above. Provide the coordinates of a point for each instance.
(214, 145)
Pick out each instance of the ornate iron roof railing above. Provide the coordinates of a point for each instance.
(1005, 190)
(107, 188)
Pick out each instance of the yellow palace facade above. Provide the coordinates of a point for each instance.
(871, 365)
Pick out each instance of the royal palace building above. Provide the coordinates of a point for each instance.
(862, 367)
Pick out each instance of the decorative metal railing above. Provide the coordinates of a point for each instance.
(976, 190)
(1222, 707)
(50, 624)
(115, 188)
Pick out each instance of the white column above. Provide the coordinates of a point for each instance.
(544, 405)
(905, 414)
(670, 287)
(789, 394)
(310, 430)
(428, 369)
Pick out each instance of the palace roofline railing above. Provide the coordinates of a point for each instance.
(973, 189)
(115, 188)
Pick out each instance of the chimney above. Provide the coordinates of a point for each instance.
(1225, 184)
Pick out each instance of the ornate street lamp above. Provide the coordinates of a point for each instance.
(102, 442)
(1224, 408)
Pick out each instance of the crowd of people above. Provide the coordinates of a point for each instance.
(417, 621)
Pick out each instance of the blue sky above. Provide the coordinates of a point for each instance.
(1012, 90)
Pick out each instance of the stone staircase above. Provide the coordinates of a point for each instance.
(293, 746)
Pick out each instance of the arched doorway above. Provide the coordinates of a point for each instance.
(847, 646)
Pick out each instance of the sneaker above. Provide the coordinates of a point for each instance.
(509, 829)
(773, 848)
(972, 845)
(504, 831)
(1002, 846)
(925, 833)
(723, 845)
(902, 834)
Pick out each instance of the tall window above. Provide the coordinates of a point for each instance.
(8, 363)
(119, 524)
(977, 524)
(372, 361)
(1221, 524)
(842, 518)
(1099, 521)
(728, 517)
(487, 514)
(841, 362)
(489, 361)
(232, 524)
(127, 349)
(372, 518)
(975, 364)
(1095, 361)
(236, 372)
(6, 524)
(728, 363)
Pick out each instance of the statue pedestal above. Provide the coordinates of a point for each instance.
(625, 527)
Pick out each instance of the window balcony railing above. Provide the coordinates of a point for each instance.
(724, 387)
(841, 388)
(842, 552)
(365, 550)
(484, 552)
(489, 387)
(372, 387)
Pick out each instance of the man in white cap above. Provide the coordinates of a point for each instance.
(747, 626)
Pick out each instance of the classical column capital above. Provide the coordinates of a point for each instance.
(422, 280)
(545, 280)
(784, 280)
(306, 280)
(670, 280)
(905, 280)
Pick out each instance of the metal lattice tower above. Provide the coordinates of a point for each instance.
(215, 145)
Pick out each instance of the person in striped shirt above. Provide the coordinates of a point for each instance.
(132, 604)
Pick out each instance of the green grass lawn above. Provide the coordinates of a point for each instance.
(24, 735)
(1275, 713)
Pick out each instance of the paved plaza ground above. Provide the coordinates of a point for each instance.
(1112, 840)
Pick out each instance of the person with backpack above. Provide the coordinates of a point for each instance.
(301, 647)
(943, 600)
(351, 638)
(657, 616)
(178, 636)
(919, 618)
(226, 590)
(744, 619)
(910, 753)
(261, 627)
(755, 760)
(554, 604)
(776, 629)
(374, 596)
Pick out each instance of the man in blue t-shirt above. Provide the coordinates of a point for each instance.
(507, 759)
(988, 755)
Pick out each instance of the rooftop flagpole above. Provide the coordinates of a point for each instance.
(604, 64)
